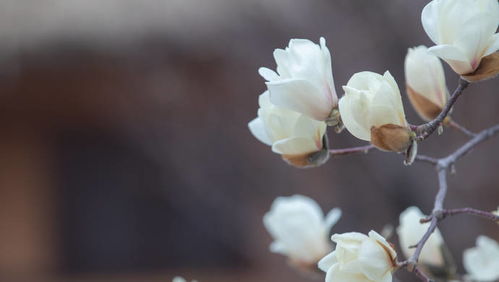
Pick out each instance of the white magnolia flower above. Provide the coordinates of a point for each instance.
(180, 279)
(304, 79)
(359, 258)
(299, 228)
(464, 31)
(410, 231)
(372, 110)
(291, 134)
(482, 261)
(425, 82)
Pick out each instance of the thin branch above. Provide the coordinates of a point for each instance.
(466, 148)
(422, 275)
(425, 130)
(353, 150)
(464, 130)
(430, 160)
(470, 211)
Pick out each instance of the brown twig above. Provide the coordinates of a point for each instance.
(350, 151)
(425, 130)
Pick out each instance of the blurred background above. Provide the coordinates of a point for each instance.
(125, 153)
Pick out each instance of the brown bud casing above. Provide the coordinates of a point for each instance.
(488, 68)
(425, 108)
(310, 160)
(391, 137)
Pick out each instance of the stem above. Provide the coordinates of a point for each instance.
(461, 128)
(470, 211)
(353, 150)
(425, 130)
(427, 159)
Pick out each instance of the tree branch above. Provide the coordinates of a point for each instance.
(350, 151)
(461, 128)
(470, 211)
(425, 130)
(439, 213)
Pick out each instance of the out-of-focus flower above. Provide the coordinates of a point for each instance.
(372, 110)
(299, 229)
(359, 258)
(410, 231)
(298, 138)
(464, 31)
(482, 261)
(181, 279)
(496, 212)
(425, 82)
(304, 79)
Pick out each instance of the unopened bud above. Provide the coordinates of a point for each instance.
(391, 137)
(423, 106)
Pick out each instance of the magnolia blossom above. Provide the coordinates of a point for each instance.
(482, 261)
(464, 31)
(180, 279)
(410, 231)
(425, 82)
(372, 110)
(359, 258)
(304, 79)
(291, 134)
(300, 229)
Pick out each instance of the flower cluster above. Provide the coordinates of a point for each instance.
(301, 98)
(301, 101)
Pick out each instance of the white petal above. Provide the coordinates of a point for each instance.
(429, 17)
(494, 45)
(294, 146)
(456, 58)
(257, 128)
(482, 261)
(300, 96)
(268, 74)
(327, 262)
(351, 106)
(332, 217)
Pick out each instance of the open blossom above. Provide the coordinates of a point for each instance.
(372, 110)
(482, 261)
(464, 31)
(300, 229)
(180, 279)
(304, 79)
(410, 231)
(425, 82)
(298, 138)
(359, 258)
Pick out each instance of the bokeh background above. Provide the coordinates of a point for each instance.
(125, 153)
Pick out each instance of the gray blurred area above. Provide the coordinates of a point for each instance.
(125, 153)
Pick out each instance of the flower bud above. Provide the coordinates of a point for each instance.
(359, 258)
(410, 231)
(464, 31)
(304, 79)
(482, 261)
(297, 138)
(372, 110)
(425, 82)
(299, 229)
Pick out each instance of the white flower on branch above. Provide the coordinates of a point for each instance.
(425, 82)
(372, 110)
(298, 138)
(359, 258)
(410, 231)
(304, 79)
(482, 261)
(300, 229)
(464, 31)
